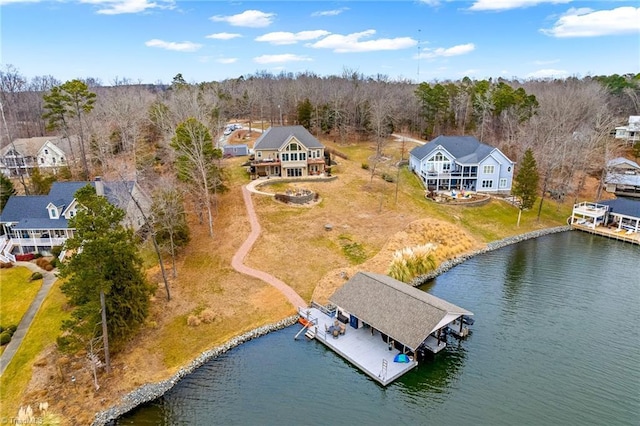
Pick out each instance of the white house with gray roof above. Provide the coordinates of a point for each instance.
(287, 151)
(623, 177)
(37, 223)
(48, 153)
(462, 162)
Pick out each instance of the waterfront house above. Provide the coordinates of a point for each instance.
(631, 132)
(287, 151)
(619, 218)
(462, 162)
(48, 153)
(235, 150)
(37, 223)
(623, 177)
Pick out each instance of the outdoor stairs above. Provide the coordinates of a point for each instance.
(310, 334)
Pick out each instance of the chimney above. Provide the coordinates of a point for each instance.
(99, 186)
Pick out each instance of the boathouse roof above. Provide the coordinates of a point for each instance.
(406, 314)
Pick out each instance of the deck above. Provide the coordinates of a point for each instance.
(359, 347)
(617, 234)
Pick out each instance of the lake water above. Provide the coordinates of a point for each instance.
(556, 342)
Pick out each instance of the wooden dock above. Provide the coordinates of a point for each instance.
(367, 351)
(616, 234)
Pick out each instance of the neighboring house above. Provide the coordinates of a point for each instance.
(37, 223)
(630, 132)
(623, 177)
(23, 155)
(287, 151)
(462, 162)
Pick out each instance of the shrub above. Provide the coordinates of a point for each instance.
(1, 329)
(12, 329)
(56, 250)
(365, 166)
(35, 276)
(207, 316)
(6, 265)
(56, 263)
(388, 178)
(42, 262)
(37, 255)
(193, 321)
(48, 267)
(24, 257)
(4, 338)
(412, 262)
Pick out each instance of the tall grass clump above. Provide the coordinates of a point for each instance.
(411, 262)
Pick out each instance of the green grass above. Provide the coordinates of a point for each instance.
(43, 332)
(16, 294)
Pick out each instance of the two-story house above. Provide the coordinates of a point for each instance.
(23, 155)
(37, 223)
(462, 162)
(630, 132)
(287, 151)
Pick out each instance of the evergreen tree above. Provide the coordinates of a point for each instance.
(6, 190)
(104, 282)
(305, 110)
(526, 181)
(41, 183)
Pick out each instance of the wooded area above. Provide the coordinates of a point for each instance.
(127, 128)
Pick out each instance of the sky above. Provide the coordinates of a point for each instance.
(151, 41)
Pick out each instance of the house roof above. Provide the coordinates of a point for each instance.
(404, 313)
(465, 149)
(622, 161)
(624, 206)
(29, 147)
(30, 211)
(275, 137)
(622, 179)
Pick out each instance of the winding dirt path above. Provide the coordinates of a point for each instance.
(238, 258)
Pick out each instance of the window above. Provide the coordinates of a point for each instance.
(294, 156)
(285, 156)
(293, 147)
(294, 172)
(503, 183)
(41, 160)
(487, 184)
(259, 154)
(488, 170)
(46, 151)
(303, 156)
(53, 213)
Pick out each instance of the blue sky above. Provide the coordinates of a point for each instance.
(153, 40)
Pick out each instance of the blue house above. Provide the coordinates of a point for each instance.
(37, 223)
(462, 162)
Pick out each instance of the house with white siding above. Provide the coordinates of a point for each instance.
(462, 162)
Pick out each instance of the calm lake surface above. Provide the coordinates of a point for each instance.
(556, 342)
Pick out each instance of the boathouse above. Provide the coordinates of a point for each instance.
(383, 326)
(410, 318)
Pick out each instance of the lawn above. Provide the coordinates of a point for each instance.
(41, 334)
(16, 294)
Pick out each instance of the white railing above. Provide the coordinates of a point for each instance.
(49, 241)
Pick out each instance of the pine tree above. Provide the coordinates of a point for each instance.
(6, 190)
(525, 184)
(105, 283)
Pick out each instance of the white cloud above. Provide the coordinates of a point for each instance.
(468, 72)
(3, 2)
(461, 49)
(352, 43)
(223, 36)
(273, 59)
(283, 37)
(510, 4)
(431, 2)
(248, 18)
(227, 60)
(117, 7)
(548, 73)
(589, 23)
(549, 62)
(333, 12)
(185, 46)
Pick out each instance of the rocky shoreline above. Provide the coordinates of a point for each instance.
(151, 391)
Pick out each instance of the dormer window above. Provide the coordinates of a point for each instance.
(46, 152)
(53, 213)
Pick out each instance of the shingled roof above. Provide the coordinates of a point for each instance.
(623, 206)
(30, 211)
(465, 149)
(406, 314)
(276, 137)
